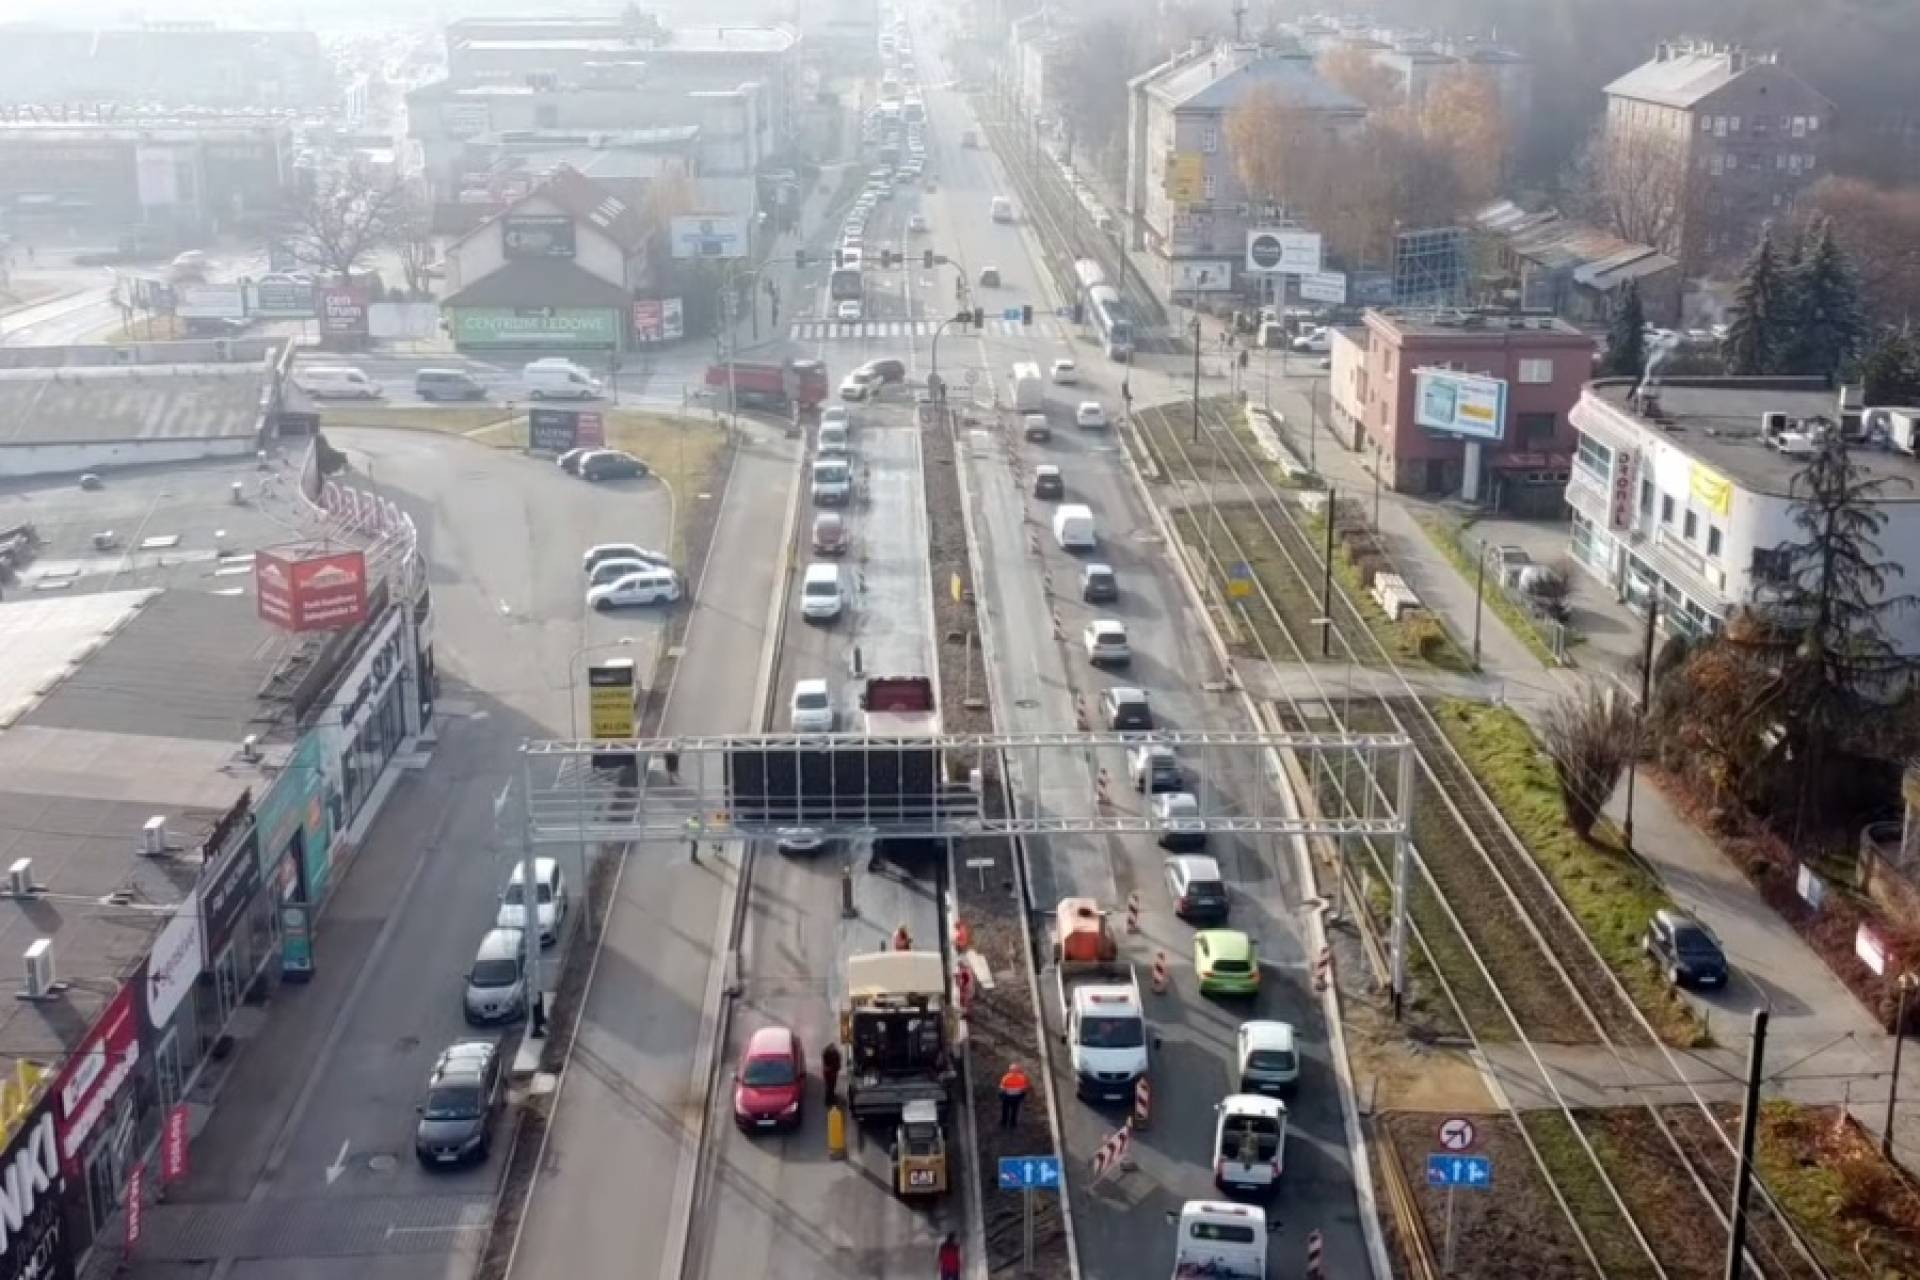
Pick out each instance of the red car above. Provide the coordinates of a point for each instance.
(771, 1081)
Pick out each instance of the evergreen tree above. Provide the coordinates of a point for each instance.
(1891, 369)
(1826, 323)
(1752, 345)
(1627, 334)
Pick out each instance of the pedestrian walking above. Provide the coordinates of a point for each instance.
(1013, 1091)
(950, 1258)
(693, 841)
(830, 1072)
(902, 940)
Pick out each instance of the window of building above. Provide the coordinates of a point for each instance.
(1799, 126)
(1646, 498)
(1536, 370)
(1716, 164)
(1733, 161)
(1208, 187)
(1719, 126)
(1806, 162)
(1779, 159)
(1706, 124)
(1771, 565)
(1733, 124)
(1714, 539)
(1666, 508)
(1793, 164)
(1209, 139)
(1813, 124)
(1690, 526)
(1594, 457)
(1535, 430)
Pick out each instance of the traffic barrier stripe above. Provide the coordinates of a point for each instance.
(1160, 971)
(1316, 1249)
(1133, 912)
(1142, 1103)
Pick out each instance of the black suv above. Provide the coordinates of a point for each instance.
(456, 1117)
(888, 370)
(611, 464)
(1686, 950)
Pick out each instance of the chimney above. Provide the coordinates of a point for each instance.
(1662, 51)
(1736, 59)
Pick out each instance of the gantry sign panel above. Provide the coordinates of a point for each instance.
(852, 786)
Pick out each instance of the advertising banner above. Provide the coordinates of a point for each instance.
(1202, 277)
(465, 119)
(709, 235)
(136, 1203)
(96, 1073)
(535, 327)
(175, 1144)
(537, 236)
(551, 430)
(589, 429)
(610, 698)
(311, 591)
(283, 298)
(1625, 467)
(174, 963)
(1324, 286)
(225, 894)
(343, 311)
(1186, 181)
(1714, 490)
(210, 302)
(1285, 251)
(34, 1244)
(1460, 404)
(646, 320)
(673, 321)
(155, 176)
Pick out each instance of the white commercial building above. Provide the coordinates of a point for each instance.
(1689, 490)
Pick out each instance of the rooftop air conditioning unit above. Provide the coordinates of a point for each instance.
(1772, 424)
(1901, 427)
(153, 836)
(20, 879)
(41, 984)
(1796, 444)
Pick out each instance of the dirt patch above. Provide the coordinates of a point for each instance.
(1003, 1027)
(1392, 1073)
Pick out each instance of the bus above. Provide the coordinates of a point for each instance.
(1105, 310)
(845, 284)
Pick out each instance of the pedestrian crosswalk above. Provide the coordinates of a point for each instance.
(834, 331)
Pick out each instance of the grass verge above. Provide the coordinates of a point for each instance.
(684, 452)
(1611, 894)
(1419, 637)
(1445, 536)
(145, 329)
(1586, 1193)
(1860, 1214)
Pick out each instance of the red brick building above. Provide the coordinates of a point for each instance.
(1544, 362)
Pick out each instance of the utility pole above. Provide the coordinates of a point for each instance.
(1646, 692)
(1743, 1172)
(1326, 585)
(1906, 984)
(1196, 377)
(1479, 596)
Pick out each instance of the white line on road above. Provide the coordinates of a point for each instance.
(422, 1231)
(339, 1165)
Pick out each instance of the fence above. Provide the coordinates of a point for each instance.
(1505, 567)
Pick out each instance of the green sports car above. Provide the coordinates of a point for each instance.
(1225, 961)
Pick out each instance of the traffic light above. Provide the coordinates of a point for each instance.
(926, 260)
(1026, 314)
(979, 318)
(799, 257)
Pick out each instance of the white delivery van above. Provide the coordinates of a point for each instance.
(1029, 388)
(336, 382)
(1220, 1239)
(832, 440)
(559, 380)
(1073, 527)
(832, 482)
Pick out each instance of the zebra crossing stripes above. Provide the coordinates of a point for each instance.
(835, 331)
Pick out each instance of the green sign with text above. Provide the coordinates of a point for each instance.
(536, 327)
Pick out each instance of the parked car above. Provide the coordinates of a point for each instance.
(770, 1084)
(1099, 584)
(611, 464)
(570, 461)
(463, 1096)
(622, 551)
(812, 707)
(614, 570)
(917, 223)
(1317, 341)
(990, 277)
(653, 586)
(1686, 950)
(550, 899)
(1225, 963)
(336, 382)
(1105, 640)
(497, 981)
(800, 840)
(1047, 482)
(1199, 894)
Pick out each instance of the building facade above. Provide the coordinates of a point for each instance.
(1186, 202)
(1726, 137)
(1575, 270)
(1686, 491)
(1543, 361)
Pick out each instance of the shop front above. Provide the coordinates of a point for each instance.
(35, 1240)
(237, 922)
(98, 1099)
(371, 713)
(294, 842)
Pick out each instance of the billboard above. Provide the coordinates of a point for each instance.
(301, 590)
(210, 302)
(710, 235)
(282, 298)
(1186, 177)
(1460, 404)
(343, 311)
(589, 429)
(537, 236)
(552, 430)
(535, 327)
(97, 1071)
(1324, 286)
(1282, 250)
(610, 698)
(658, 320)
(34, 1240)
(1202, 277)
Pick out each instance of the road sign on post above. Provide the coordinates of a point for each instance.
(1444, 1169)
(1028, 1174)
(1458, 1134)
(1239, 580)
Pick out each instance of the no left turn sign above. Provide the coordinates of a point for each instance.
(1458, 1134)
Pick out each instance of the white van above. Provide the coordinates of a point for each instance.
(336, 382)
(820, 596)
(1029, 388)
(1220, 1238)
(552, 379)
(832, 440)
(832, 482)
(1073, 527)
(1002, 209)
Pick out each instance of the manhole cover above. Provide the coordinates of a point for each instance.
(383, 1163)
(1027, 704)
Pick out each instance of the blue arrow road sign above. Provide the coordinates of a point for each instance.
(1447, 1170)
(1011, 313)
(1029, 1173)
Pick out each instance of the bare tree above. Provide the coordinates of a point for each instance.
(1282, 151)
(1590, 734)
(1636, 183)
(413, 241)
(1463, 115)
(343, 218)
(1353, 69)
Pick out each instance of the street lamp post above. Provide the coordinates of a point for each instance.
(1907, 983)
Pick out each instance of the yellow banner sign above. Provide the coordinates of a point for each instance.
(1186, 177)
(19, 1094)
(610, 698)
(1714, 490)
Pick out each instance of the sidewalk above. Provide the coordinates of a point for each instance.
(1822, 1044)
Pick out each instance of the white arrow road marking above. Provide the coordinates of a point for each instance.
(339, 1165)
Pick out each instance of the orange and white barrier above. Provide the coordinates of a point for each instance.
(1160, 977)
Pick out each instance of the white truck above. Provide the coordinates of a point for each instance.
(1029, 388)
(1249, 1143)
(1103, 1020)
(1220, 1240)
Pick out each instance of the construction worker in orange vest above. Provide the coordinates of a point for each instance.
(1013, 1091)
(902, 940)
